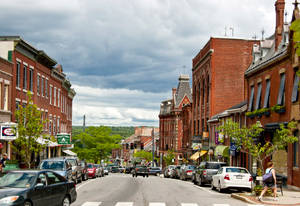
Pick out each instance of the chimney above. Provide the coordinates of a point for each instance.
(279, 8)
(174, 93)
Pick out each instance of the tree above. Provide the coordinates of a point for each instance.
(30, 129)
(252, 142)
(96, 143)
(169, 157)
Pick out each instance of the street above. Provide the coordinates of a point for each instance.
(124, 190)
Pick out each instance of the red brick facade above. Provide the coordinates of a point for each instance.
(35, 72)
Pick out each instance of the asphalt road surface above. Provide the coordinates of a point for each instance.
(124, 190)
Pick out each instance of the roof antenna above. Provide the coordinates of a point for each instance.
(296, 4)
(225, 30)
(262, 34)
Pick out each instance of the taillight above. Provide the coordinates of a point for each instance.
(136, 169)
(250, 179)
(204, 172)
(189, 171)
(226, 177)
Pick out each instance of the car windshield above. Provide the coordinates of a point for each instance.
(191, 167)
(17, 180)
(90, 166)
(214, 165)
(53, 165)
(82, 164)
(72, 162)
(236, 170)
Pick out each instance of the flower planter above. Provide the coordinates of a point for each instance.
(280, 111)
(267, 113)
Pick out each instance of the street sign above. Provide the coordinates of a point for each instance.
(8, 132)
(63, 139)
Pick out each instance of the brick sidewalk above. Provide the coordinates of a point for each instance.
(290, 198)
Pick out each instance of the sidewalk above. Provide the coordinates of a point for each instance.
(289, 197)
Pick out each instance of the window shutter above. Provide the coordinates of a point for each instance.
(295, 89)
(251, 99)
(280, 99)
(258, 97)
(267, 94)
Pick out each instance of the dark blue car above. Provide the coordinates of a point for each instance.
(36, 187)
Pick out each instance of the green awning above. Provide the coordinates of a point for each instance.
(222, 150)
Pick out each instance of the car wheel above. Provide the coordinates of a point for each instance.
(147, 176)
(66, 201)
(27, 203)
(200, 181)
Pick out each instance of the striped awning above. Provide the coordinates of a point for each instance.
(198, 154)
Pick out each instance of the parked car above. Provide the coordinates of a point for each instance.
(186, 172)
(59, 165)
(99, 170)
(232, 178)
(36, 187)
(92, 171)
(154, 171)
(176, 172)
(76, 169)
(84, 171)
(203, 174)
(140, 170)
(128, 169)
(168, 170)
(105, 171)
(122, 169)
(114, 169)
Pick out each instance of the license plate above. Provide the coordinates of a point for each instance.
(239, 177)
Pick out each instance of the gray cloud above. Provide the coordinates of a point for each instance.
(138, 45)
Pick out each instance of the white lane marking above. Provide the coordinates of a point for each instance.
(189, 204)
(91, 204)
(157, 204)
(82, 184)
(124, 204)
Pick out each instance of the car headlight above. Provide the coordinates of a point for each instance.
(9, 199)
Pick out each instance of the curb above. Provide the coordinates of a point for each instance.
(245, 199)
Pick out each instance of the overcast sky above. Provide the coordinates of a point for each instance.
(124, 56)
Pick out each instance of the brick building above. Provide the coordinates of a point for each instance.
(34, 71)
(171, 119)
(272, 85)
(218, 83)
(6, 68)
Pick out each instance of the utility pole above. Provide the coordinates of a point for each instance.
(153, 147)
(83, 123)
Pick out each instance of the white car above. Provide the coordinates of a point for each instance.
(232, 178)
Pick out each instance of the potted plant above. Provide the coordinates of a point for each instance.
(278, 108)
(250, 114)
(265, 111)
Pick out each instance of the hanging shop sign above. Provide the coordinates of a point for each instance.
(8, 132)
(221, 138)
(63, 139)
(196, 146)
(205, 134)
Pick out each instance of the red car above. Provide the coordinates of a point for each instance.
(91, 170)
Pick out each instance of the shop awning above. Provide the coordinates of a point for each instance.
(69, 152)
(198, 154)
(46, 142)
(222, 150)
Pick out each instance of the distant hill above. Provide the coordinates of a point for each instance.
(122, 131)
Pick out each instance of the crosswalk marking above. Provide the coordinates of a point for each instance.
(124, 204)
(157, 204)
(189, 204)
(221, 205)
(91, 204)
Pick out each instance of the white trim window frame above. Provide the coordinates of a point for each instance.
(50, 94)
(18, 68)
(54, 96)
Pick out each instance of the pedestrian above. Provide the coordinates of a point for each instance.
(270, 183)
(3, 161)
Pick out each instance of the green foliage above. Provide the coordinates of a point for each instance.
(295, 26)
(144, 155)
(258, 112)
(169, 157)
(96, 143)
(122, 131)
(251, 141)
(30, 128)
(277, 107)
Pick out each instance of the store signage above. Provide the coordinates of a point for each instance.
(196, 146)
(8, 132)
(205, 134)
(63, 139)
